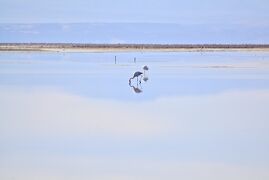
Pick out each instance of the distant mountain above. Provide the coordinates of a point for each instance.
(112, 33)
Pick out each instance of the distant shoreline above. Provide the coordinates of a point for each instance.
(77, 47)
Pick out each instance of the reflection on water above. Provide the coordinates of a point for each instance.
(138, 75)
(137, 89)
(67, 119)
(145, 79)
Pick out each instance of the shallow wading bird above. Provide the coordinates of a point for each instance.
(136, 75)
(145, 68)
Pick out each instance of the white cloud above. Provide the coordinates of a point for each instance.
(117, 168)
(53, 113)
(56, 114)
(116, 41)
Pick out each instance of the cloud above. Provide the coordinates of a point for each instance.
(107, 168)
(65, 27)
(50, 113)
(116, 41)
(28, 114)
(59, 113)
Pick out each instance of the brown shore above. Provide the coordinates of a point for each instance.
(73, 47)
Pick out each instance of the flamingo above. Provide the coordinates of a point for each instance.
(136, 75)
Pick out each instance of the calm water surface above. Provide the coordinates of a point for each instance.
(74, 116)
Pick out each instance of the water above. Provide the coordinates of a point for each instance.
(74, 116)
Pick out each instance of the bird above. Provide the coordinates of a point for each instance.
(136, 75)
(145, 68)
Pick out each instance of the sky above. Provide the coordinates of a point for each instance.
(157, 11)
(140, 21)
(75, 117)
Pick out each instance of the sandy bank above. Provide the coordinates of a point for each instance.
(68, 47)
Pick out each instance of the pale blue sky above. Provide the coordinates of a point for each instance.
(172, 11)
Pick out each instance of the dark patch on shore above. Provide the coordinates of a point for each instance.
(140, 47)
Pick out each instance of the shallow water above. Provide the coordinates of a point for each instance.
(74, 116)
